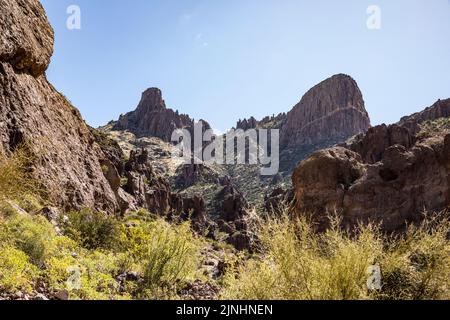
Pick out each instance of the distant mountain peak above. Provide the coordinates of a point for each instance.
(331, 110)
(151, 99)
(153, 119)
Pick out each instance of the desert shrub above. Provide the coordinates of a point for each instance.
(16, 271)
(92, 229)
(16, 179)
(296, 263)
(164, 253)
(30, 203)
(31, 234)
(417, 266)
(88, 275)
(439, 126)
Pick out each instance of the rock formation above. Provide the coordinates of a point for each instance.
(441, 109)
(329, 113)
(278, 200)
(152, 119)
(333, 109)
(388, 176)
(247, 124)
(66, 158)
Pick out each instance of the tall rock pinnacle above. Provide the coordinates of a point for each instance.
(332, 110)
(152, 118)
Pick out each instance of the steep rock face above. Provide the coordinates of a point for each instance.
(65, 156)
(333, 109)
(153, 119)
(388, 175)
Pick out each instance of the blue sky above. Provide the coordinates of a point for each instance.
(222, 60)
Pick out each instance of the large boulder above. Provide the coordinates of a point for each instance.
(384, 182)
(26, 38)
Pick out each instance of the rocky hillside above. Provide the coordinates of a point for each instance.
(67, 161)
(391, 174)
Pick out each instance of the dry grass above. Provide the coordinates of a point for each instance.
(15, 175)
(297, 264)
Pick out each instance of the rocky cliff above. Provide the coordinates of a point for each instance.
(389, 175)
(153, 119)
(327, 114)
(333, 109)
(66, 158)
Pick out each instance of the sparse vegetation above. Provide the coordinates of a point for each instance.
(163, 255)
(92, 230)
(16, 180)
(92, 253)
(94, 247)
(433, 127)
(296, 263)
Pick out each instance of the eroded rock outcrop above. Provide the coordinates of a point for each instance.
(153, 119)
(372, 145)
(188, 175)
(279, 200)
(332, 110)
(144, 188)
(66, 158)
(328, 114)
(388, 176)
(247, 124)
(26, 38)
(441, 109)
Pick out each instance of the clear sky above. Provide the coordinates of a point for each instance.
(222, 60)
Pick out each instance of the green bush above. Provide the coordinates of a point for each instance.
(92, 229)
(31, 234)
(16, 271)
(417, 266)
(90, 275)
(165, 254)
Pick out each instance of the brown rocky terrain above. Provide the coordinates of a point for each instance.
(66, 157)
(390, 175)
